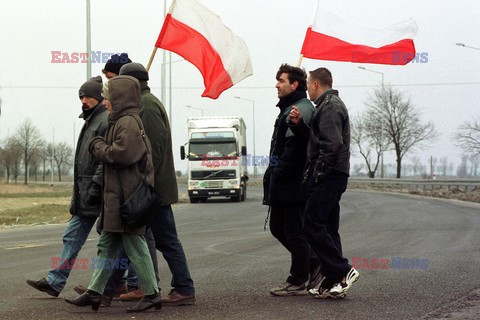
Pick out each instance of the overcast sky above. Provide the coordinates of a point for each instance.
(446, 88)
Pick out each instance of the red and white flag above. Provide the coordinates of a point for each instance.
(333, 37)
(194, 32)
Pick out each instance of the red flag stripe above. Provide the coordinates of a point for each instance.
(178, 37)
(323, 47)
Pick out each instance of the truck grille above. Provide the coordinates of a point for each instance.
(213, 184)
(213, 174)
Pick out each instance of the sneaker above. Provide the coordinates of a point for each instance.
(288, 289)
(44, 286)
(174, 298)
(342, 287)
(316, 277)
(320, 292)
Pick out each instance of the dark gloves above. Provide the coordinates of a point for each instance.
(93, 195)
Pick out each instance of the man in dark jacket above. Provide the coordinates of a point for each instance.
(162, 222)
(283, 178)
(86, 199)
(328, 156)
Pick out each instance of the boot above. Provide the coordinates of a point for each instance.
(150, 301)
(89, 298)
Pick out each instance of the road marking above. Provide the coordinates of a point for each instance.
(25, 246)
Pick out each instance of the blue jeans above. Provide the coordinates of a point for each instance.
(162, 224)
(74, 237)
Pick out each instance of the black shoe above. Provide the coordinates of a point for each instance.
(148, 302)
(89, 298)
(106, 300)
(44, 286)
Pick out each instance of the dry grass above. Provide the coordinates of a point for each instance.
(30, 204)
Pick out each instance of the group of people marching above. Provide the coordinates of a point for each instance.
(303, 189)
(111, 159)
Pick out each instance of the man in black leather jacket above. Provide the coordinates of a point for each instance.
(326, 176)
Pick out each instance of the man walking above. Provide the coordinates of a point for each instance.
(86, 199)
(328, 156)
(162, 222)
(282, 181)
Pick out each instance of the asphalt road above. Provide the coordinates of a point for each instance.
(234, 263)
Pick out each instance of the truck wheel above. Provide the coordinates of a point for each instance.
(193, 200)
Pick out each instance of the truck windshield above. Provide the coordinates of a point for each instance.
(201, 150)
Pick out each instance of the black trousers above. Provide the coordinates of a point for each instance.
(286, 222)
(322, 221)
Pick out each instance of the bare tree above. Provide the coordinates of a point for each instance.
(401, 122)
(462, 169)
(443, 167)
(29, 139)
(45, 157)
(416, 166)
(370, 141)
(36, 159)
(63, 156)
(468, 137)
(10, 155)
(474, 161)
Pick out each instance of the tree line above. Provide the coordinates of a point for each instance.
(392, 122)
(28, 152)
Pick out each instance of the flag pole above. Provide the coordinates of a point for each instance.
(300, 58)
(151, 58)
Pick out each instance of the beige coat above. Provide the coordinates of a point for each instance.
(122, 152)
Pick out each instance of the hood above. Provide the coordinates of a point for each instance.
(124, 96)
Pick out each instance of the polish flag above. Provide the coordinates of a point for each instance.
(333, 37)
(197, 34)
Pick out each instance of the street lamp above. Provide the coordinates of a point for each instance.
(464, 45)
(383, 75)
(253, 111)
(381, 129)
(195, 108)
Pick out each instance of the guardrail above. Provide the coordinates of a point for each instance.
(465, 185)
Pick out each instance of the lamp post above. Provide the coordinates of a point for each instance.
(170, 62)
(89, 42)
(381, 128)
(195, 108)
(253, 112)
(465, 46)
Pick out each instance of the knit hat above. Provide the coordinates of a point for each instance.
(136, 70)
(92, 88)
(116, 62)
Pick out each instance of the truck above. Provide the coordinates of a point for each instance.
(216, 158)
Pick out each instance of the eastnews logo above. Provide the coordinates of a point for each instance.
(248, 160)
(95, 263)
(82, 57)
(394, 263)
(396, 57)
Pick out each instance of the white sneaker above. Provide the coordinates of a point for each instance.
(342, 287)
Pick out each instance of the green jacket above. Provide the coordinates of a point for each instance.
(157, 128)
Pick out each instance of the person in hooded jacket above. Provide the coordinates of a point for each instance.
(85, 205)
(126, 155)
